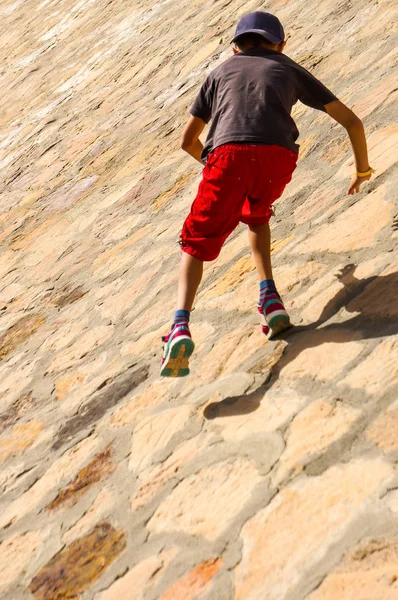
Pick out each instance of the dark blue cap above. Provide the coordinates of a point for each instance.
(262, 23)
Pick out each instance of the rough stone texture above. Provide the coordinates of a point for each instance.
(314, 429)
(194, 584)
(74, 569)
(368, 571)
(289, 535)
(94, 189)
(205, 504)
(16, 553)
(140, 579)
(99, 468)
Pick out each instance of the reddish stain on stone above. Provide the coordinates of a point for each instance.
(73, 570)
(19, 333)
(98, 469)
(193, 583)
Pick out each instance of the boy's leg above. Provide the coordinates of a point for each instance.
(178, 345)
(190, 276)
(260, 242)
(274, 318)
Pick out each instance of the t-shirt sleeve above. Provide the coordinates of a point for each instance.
(202, 107)
(311, 91)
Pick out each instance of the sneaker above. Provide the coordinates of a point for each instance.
(273, 316)
(177, 348)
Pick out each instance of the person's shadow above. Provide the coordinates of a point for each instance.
(374, 301)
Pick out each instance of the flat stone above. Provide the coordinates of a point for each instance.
(367, 571)
(21, 437)
(139, 405)
(85, 344)
(61, 469)
(139, 580)
(16, 552)
(102, 507)
(195, 583)
(73, 570)
(313, 430)
(19, 333)
(320, 356)
(98, 469)
(383, 431)
(378, 372)
(239, 418)
(17, 410)
(109, 393)
(384, 289)
(154, 432)
(151, 480)
(357, 227)
(284, 540)
(206, 503)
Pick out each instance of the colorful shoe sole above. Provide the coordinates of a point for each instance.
(176, 361)
(277, 324)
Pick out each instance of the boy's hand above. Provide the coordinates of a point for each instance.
(356, 184)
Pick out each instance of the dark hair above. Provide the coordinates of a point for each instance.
(250, 40)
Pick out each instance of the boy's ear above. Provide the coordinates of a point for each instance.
(282, 46)
(235, 49)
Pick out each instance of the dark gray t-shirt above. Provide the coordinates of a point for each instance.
(249, 98)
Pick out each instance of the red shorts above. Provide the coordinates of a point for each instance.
(240, 183)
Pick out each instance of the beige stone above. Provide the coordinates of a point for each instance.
(283, 541)
(21, 437)
(368, 571)
(313, 430)
(289, 276)
(383, 431)
(85, 344)
(61, 469)
(248, 416)
(199, 57)
(379, 297)
(154, 432)
(229, 352)
(16, 553)
(67, 331)
(195, 583)
(139, 580)
(379, 371)
(155, 477)
(321, 356)
(139, 405)
(98, 511)
(206, 503)
(357, 227)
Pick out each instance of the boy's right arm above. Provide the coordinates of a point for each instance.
(353, 124)
(190, 141)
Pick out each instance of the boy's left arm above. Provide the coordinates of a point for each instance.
(354, 127)
(190, 141)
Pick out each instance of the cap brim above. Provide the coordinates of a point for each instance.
(267, 36)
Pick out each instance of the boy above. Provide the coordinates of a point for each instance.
(249, 156)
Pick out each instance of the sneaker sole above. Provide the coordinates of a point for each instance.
(277, 325)
(176, 364)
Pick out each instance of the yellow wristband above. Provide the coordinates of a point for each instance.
(369, 172)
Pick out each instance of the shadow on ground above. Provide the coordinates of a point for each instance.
(374, 302)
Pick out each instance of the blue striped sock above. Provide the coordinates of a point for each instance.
(181, 316)
(267, 287)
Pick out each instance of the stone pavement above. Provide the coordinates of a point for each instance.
(268, 474)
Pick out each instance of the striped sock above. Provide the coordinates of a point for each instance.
(267, 288)
(181, 316)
